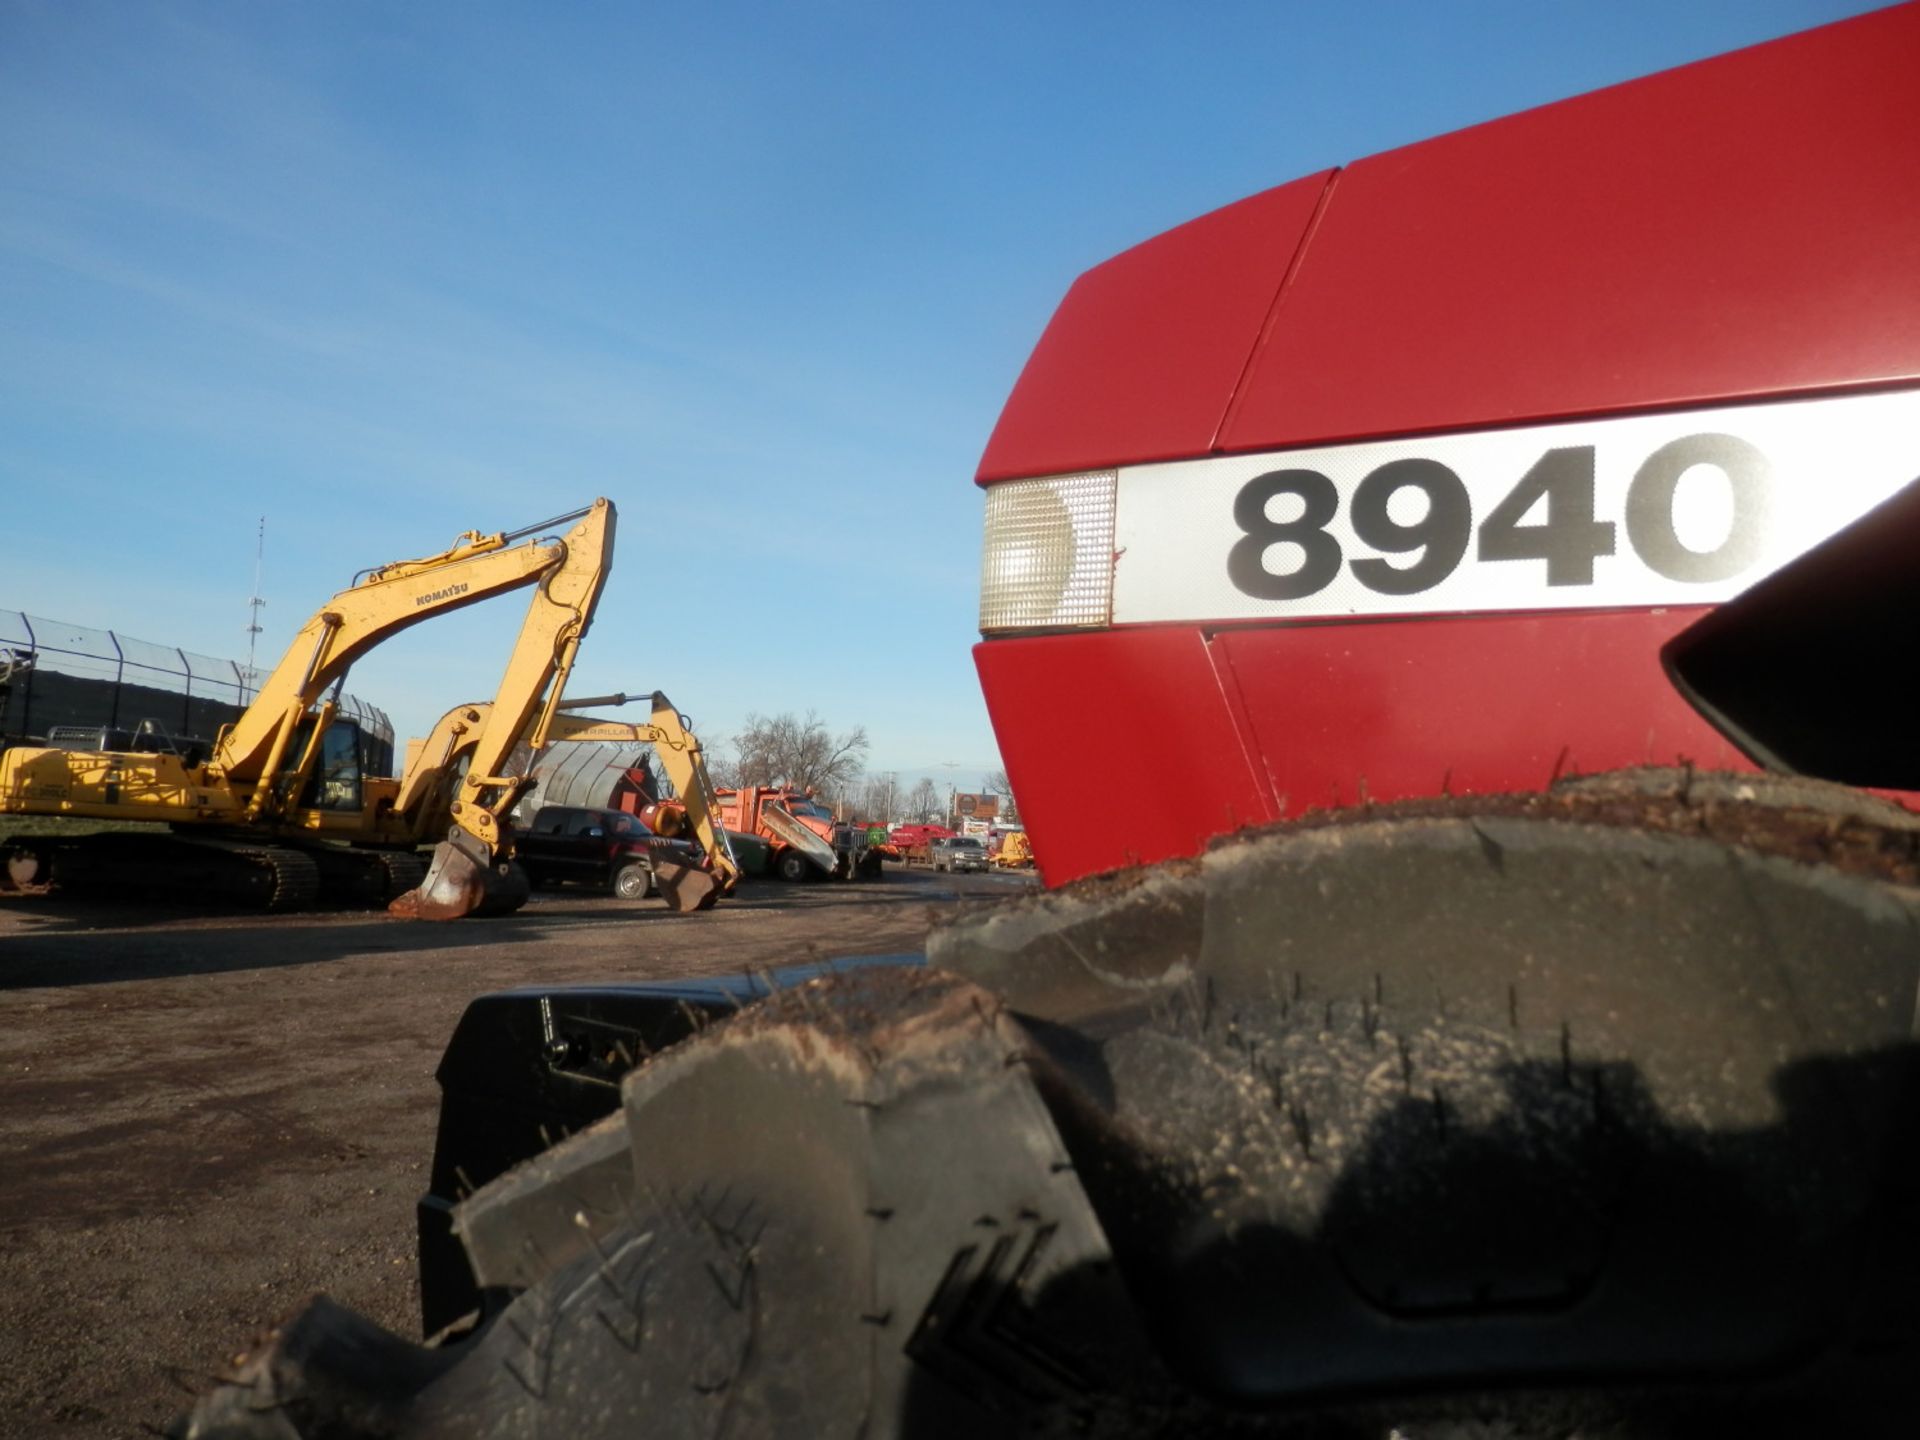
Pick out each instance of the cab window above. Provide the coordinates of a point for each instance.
(335, 781)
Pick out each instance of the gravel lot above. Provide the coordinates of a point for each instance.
(204, 1120)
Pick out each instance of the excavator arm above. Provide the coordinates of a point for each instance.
(472, 869)
(378, 606)
(427, 786)
(685, 763)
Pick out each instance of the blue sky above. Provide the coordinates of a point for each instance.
(763, 275)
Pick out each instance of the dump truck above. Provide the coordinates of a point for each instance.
(804, 839)
(1416, 1070)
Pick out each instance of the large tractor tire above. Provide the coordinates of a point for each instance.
(1588, 1114)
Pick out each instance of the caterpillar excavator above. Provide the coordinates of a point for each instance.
(434, 767)
(279, 815)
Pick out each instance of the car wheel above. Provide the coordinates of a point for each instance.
(633, 881)
(793, 866)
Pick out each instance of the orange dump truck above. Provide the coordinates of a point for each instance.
(803, 839)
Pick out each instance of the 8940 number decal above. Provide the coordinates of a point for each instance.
(1568, 539)
(1641, 510)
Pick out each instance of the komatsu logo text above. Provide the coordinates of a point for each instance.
(434, 595)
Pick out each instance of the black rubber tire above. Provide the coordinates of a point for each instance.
(632, 881)
(794, 867)
(507, 889)
(1591, 1111)
(1578, 1115)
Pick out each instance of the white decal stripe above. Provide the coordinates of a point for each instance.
(1684, 508)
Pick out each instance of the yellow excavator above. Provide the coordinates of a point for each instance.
(435, 764)
(279, 812)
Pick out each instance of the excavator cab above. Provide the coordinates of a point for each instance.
(335, 781)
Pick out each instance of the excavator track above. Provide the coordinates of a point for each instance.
(295, 875)
(404, 871)
(217, 869)
(364, 879)
(240, 873)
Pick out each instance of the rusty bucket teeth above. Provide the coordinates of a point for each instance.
(685, 888)
(460, 882)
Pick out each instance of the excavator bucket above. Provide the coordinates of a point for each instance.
(463, 880)
(685, 888)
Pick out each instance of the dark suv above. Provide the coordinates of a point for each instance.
(608, 848)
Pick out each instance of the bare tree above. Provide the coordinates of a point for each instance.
(797, 751)
(722, 768)
(923, 800)
(1009, 807)
(872, 797)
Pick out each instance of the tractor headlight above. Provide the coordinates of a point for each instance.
(1048, 557)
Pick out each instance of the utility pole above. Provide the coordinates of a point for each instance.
(952, 790)
(254, 604)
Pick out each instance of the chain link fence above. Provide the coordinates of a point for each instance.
(57, 675)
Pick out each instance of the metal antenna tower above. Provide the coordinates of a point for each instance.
(254, 604)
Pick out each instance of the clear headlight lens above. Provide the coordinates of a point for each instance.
(1048, 557)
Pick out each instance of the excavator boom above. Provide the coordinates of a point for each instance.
(380, 605)
(457, 736)
(472, 869)
(679, 750)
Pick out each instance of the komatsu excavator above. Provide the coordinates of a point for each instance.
(434, 766)
(279, 811)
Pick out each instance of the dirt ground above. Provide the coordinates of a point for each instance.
(205, 1120)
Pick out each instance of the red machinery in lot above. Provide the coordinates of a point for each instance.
(913, 843)
(1581, 439)
(1429, 455)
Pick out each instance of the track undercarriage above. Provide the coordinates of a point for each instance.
(238, 871)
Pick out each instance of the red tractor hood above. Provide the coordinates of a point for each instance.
(1744, 227)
